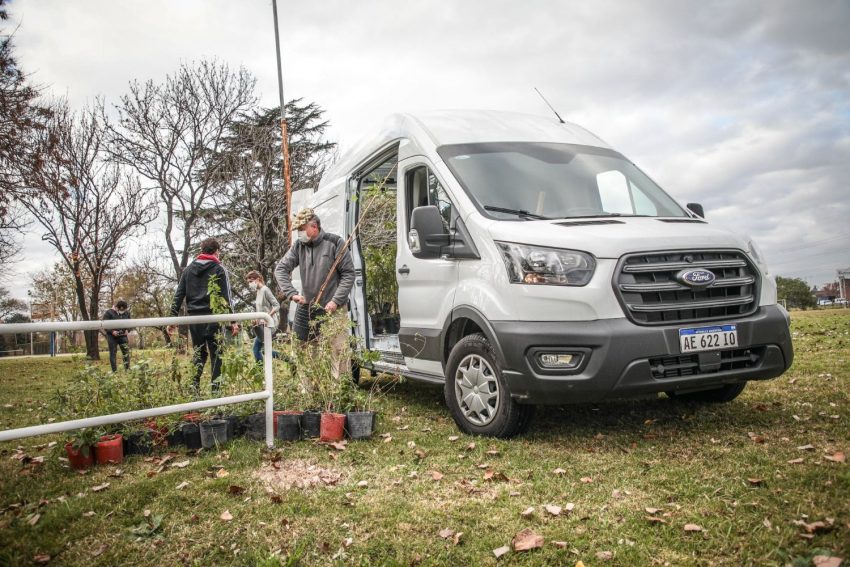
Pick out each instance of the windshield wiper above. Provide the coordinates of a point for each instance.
(517, 212)
(601, 215)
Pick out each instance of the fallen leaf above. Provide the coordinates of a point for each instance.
(692, 528)
(755, 438)
(652, 511)
(559, 472)
(420, 454)
(339, 445)
(655, 520)
(755, 481)
(766, 523)
(526, 540)
(235, 489)
(796, 461)
(346, 543)
(453, 438)
(827, 561)
(815, 526)
(226, 516)
(100, 487)
(586, 479)
(528, 512)
(221, 473)
(411, 444)
(836, 458)
(436, 475)
(88, 514)
(560, 544)
(493, 452)
(456, 538)
(446, 533)
(181, 464)
(605, 555)
(41, 558)
(34, 519)
(500, 551)
(808, 447)
(388, 438)
(99, 551)
(470, 447)
(569, 507)
(183, 485)
(553, 510)
(363, 484)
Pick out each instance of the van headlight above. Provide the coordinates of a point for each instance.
(538, 265)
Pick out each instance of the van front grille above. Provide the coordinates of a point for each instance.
(651, 294)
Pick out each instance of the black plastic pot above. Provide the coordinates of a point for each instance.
(191, 435)
(289, 426)
(138, 443)
(311, 423)
(359, 424)
(235, 426)
(213, 432)
(255, 428)
(175, 438)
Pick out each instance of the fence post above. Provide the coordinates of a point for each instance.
(269, 382)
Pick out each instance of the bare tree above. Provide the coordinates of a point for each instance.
(248, 208)
(169, 133)
(87, 205)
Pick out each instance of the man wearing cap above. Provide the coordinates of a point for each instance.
(315, 252)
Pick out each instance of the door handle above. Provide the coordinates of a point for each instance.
(404, 270)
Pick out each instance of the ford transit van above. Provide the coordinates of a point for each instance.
(517, 260)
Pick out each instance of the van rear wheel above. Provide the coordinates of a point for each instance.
(477, 394)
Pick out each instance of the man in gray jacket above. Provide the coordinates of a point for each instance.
(315, 252)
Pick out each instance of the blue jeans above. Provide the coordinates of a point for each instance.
(258, 350)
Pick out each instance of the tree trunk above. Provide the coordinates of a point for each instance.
(92, 346)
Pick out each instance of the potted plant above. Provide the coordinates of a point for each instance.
(80, 448)
(213, 431)
(109, 449)
(360, 420)
(138, 439)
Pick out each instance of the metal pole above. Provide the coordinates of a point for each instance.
(267, 370)
(284, 136)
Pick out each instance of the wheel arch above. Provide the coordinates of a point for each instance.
(465, 320)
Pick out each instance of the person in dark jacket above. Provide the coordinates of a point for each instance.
(193, 288)
(315, 253)
(117, 338)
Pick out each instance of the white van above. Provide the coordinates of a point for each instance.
(518, 261)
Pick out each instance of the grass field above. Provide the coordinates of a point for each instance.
(760, 477)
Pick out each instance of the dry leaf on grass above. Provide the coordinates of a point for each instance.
(766, 523)
(528, 512)
(456, 538)
(527, 539)
(807, 447)
(411, 445)
(560, 544)
(453, 438)
(553, 510)
(838, 457)
(88, 514)
(692, 528)
(420, 454)
(183, 485)
(586, 479)
(339, 445)
(41, 558)
(559, 472)
(100, 487)
(470, 447)
(221, 473)
(755, 438)
(755, 481)
(493, 452)
(436, 475)
(655, 520)
(181, 464)
(226, 516)
(652, 511)
(796, 461)
(827, 561)
(813, 527)
(446, 533)
(500, 551)
(99, 551)
(605, 555)
(34, 519)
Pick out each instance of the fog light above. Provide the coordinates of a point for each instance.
(558, 359)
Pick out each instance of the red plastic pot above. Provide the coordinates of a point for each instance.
(192, 417)
(110, 449)
(332, 427)
(78, 459)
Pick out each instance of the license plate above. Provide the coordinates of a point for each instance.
(708, 338)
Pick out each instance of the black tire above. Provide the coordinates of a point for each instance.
(719, 395)
(500, 416)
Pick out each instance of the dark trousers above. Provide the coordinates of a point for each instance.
(306, 325)
(114, 344)
(206, 339)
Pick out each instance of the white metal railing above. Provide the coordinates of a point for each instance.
(100, 420)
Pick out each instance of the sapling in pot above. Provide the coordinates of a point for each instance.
(80, 448)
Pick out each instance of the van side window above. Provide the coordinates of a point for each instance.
(423, 189)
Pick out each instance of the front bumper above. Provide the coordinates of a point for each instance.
(626, 360)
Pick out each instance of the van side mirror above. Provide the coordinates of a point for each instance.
(697, 209)
(428, 235)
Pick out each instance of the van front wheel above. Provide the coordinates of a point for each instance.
(477, 394)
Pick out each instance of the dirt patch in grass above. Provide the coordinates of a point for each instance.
(297, 474)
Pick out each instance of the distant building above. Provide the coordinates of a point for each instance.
(844, 283)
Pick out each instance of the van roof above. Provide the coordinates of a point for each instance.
(462, 127)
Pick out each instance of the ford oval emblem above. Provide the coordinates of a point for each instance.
(696, 278)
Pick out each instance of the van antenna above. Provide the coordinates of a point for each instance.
(550, 106)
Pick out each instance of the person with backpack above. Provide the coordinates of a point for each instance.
(117, 338)
(315, 253)
(194, 289)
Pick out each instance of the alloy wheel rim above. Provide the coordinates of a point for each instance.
(477, 389)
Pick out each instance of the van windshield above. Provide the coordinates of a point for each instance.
(528, 180)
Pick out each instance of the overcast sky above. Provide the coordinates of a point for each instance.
(741, 106)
